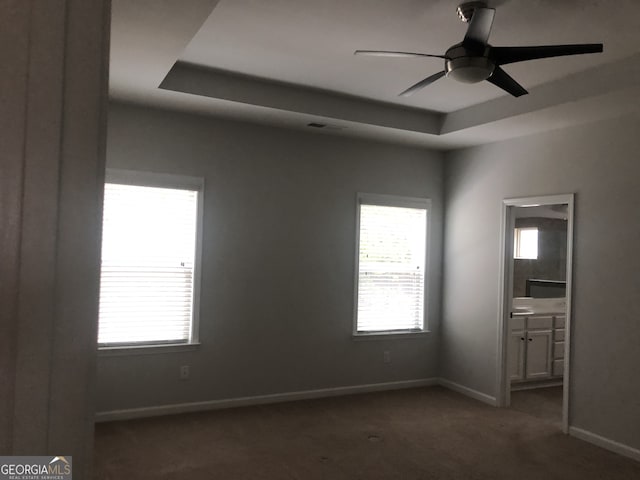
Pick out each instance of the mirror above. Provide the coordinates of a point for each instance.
(540, 251)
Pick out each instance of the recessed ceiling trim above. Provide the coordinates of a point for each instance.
(192, 79)
(579, 88)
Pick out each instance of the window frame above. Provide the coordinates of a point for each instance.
(178, 182)
(400, 202)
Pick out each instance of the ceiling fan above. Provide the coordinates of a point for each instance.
(474, 60)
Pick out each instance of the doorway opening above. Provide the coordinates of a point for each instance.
(535, 306)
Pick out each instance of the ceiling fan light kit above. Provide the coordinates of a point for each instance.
(473, 60)
(469, 69)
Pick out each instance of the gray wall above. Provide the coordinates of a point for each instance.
(278, 259)
(598, 162)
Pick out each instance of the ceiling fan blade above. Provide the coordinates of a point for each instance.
(502, 79)
(479, 27)
(505, 55)
(422, 83)
(386, 53)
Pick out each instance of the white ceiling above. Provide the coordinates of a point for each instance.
(289, 62)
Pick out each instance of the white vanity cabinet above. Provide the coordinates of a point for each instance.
(538, 357)
(557, 367)
(536, 347)
(516, 355)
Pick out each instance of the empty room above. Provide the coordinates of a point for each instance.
(251, 239)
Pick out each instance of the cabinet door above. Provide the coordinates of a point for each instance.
(538, 357)
(516, 355)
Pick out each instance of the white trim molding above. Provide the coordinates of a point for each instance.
(139, 178)
(505, 299)
(154, 411)
(400, 202)
(606, 443)
(469, 392)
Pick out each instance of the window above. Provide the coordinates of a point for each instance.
(149, 275)
(391, 264)
(525, 243)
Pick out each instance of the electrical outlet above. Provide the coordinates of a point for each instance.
(184, 372)
(386, 356)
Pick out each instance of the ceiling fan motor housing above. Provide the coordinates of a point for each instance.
(467, 66)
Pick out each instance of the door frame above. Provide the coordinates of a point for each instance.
(506, 294)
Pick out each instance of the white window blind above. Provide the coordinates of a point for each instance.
(148, 260)
(391, 268)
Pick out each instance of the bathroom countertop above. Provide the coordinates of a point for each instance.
(535, 307)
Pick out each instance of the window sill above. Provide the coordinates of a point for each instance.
(390, 335)
(147, 349)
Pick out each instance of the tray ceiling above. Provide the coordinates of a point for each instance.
(290, 62)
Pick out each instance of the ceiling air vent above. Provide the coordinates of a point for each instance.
(327, 126)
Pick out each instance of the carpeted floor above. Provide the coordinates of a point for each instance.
(427, 433)
(543, 403)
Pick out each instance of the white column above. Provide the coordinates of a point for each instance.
(53, 104)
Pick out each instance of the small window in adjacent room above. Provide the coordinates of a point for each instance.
(391, 264)
(150, 254)
(525, 243)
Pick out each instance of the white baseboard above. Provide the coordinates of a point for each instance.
(131, 413)
(605, 443)
(469, 392)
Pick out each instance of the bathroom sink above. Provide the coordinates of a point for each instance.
(522, 310)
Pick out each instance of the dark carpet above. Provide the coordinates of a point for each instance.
(426, 433)
(543, 403)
